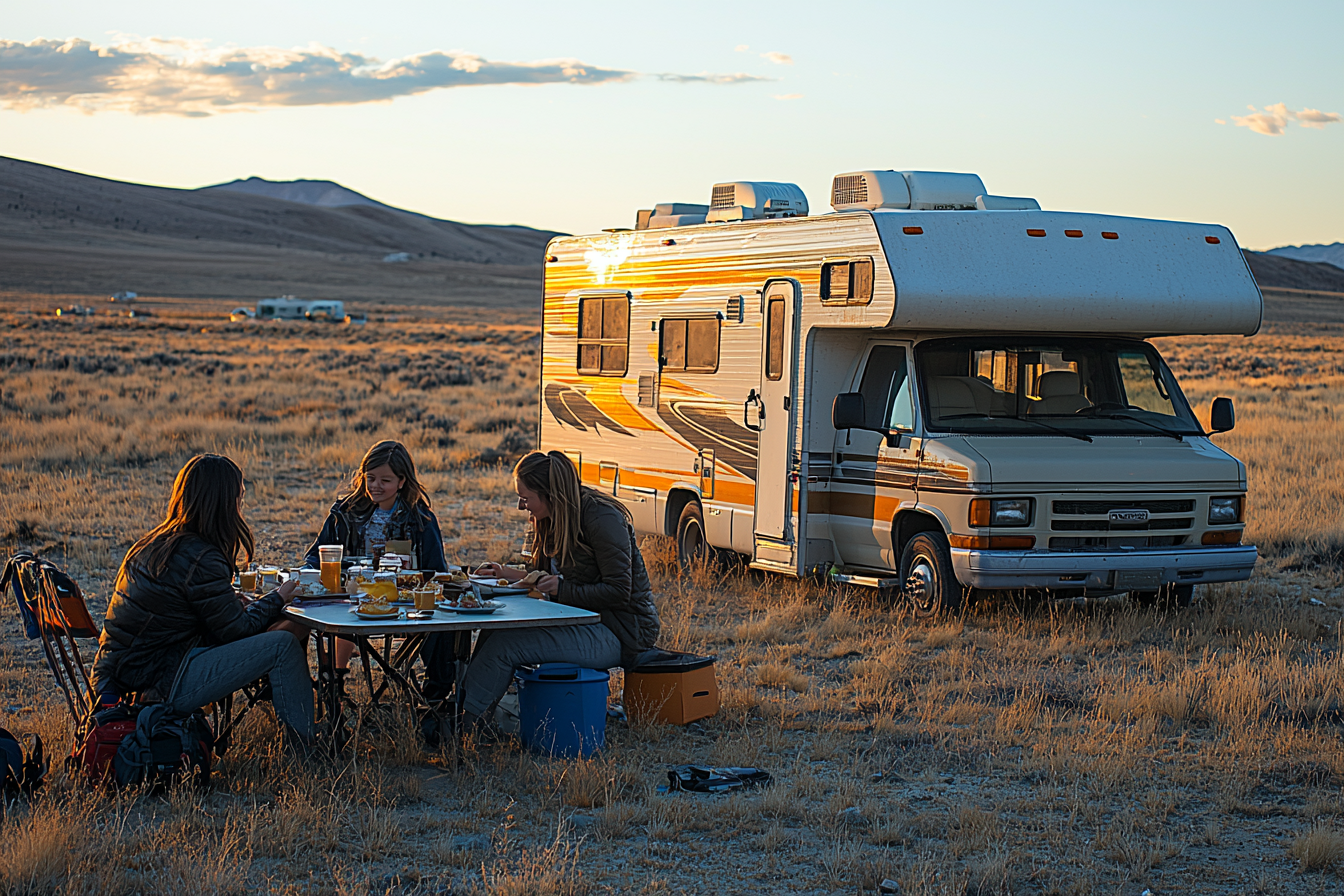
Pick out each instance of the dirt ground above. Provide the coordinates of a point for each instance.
(1022, 747)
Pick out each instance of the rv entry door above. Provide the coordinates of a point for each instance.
(774, 415)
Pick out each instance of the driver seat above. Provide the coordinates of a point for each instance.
(1059, 394)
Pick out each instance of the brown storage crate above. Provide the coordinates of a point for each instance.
(675, 691)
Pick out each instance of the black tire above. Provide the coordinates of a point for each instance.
(692, 547)
(931, 586)
(1167, 597)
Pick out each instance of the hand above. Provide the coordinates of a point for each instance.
(287, 590)
(548, 585)
(499, 572)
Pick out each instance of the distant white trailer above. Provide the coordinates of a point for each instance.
(290, 308)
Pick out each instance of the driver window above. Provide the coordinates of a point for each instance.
(886, 390)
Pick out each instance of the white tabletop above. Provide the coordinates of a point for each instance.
(517, 612)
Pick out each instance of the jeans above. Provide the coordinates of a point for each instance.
(499, 652)
(212, 673)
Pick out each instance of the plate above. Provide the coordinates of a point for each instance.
(484, 609)
(362, 615)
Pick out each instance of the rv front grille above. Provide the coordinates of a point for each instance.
(1086, 508)
(851, 188)
(1105, 525)
(724, 196)
(1114, 542)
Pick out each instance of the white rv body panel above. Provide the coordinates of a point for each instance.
(622, 397)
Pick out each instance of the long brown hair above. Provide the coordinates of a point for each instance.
(393, 454)
(553, 476)
(204, 503)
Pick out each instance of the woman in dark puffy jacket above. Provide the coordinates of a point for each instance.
(584, 544)
(175, 628)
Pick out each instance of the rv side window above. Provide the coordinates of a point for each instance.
(691, 344)
(604, 335)
(774, 349)
(848, 282)
(886, 390)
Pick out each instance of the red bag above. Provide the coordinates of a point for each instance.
(97, 740)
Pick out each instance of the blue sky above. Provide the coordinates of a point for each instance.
(1095, 107)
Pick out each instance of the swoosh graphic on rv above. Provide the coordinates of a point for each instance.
(572, 408)
(709, 425)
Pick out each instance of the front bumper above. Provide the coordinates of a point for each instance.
(1102, 572)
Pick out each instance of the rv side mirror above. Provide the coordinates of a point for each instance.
(1221, 416)
(847, 412)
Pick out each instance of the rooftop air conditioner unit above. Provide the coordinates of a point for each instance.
(1006, 203)
(905, 189)
(749, 200)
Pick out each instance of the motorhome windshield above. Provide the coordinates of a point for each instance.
(1075, 387)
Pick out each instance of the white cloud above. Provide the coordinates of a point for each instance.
(179, 77)
(788, 96)
(1315, 118)
(741, 48)
(778, 58)
(1272, 120)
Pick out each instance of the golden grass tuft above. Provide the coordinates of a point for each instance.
(1320, 848)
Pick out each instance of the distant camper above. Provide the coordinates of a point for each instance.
(290, 308)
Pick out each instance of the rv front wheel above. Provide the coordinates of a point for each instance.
(926, 569)
(692, 548)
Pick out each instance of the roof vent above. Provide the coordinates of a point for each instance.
(748, 200)
(1006, 204)
(670, 214)
(870, 190)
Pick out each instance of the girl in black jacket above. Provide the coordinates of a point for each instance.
(386, 502)
(175, 628)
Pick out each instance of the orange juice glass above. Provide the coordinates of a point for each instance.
(330, 556)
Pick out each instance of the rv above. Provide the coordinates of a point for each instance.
(290, 308)
(930, 390)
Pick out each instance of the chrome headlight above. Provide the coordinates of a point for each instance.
(1223, 511)
(1001, 512)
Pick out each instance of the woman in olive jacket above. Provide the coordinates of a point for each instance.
(584, 544)
(176, 630)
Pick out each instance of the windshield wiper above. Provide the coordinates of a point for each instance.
(1153, 426)
(1055, 429)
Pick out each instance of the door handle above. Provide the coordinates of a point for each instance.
(753, 398)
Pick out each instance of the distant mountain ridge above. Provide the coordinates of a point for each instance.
(1331, 254)
(324, 193)
(1274, 270)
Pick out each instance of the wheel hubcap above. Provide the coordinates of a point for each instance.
(919, 583)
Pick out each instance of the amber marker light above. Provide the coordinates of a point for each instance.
(1073, 233)
(669, 242)
(1110, 235)
(552, 257)
(912, 231)
(993, 542)
(1212, 240)
(1033, 231)
(1232, 536)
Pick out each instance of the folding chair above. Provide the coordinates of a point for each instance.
(53, 610)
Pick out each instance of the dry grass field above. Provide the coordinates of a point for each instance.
(1024, 747)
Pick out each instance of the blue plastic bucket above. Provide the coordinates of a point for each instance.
(562, 709)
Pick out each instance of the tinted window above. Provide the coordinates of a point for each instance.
(691, 344)
(884, 386)
(604, 335)
(774, 344)
(847, 282)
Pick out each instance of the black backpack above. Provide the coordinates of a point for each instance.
(24, 770)
(165, 747)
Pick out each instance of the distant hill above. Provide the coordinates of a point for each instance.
(1331, 254)
(324, 193)
(63, 232)
(1272, 270)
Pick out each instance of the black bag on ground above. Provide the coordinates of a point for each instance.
(24, 770)
(165, 747)
(704, 779)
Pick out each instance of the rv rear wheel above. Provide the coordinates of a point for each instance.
(692, 548)
(926, 569)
